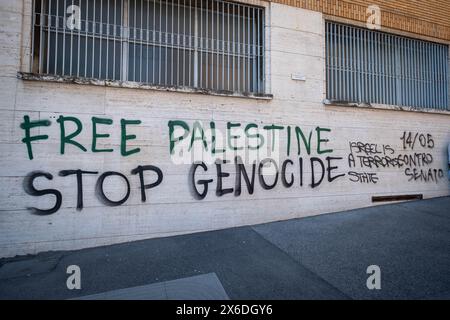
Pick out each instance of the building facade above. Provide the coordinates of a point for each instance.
(135, 119)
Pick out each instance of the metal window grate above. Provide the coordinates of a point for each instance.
(206, 44)
(368, 66)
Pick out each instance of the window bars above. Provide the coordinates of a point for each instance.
(206, 44)
(367, 66)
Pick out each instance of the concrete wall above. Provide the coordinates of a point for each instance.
(295, 44)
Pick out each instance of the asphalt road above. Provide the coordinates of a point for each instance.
(322, 257)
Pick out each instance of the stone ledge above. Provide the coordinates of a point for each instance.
(135, 85)
(334, 103)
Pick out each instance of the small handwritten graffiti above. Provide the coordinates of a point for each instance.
(415, 171)
(363, 177)
(411, 140)
(368, 156)
(416, 164)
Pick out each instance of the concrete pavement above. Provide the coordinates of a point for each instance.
(322, 257)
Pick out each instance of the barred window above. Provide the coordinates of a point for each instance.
(205, 44)
(368, 66)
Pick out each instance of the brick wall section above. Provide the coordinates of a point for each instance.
(429, 18)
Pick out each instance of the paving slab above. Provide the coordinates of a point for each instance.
(202, 287)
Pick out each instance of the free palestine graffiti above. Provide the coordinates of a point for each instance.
(262, 156)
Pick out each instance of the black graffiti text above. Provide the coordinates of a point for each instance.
(411, 140)
(418, 159)
(363, 177)
(28, 185)
(320, 170)
(424, 175)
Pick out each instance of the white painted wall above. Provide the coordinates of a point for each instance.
(295, 45)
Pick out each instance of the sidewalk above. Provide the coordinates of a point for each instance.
(322, 257)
